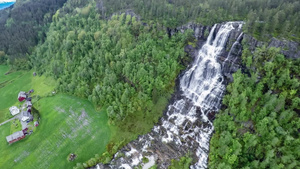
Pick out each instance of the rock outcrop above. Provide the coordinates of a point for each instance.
(289, 49)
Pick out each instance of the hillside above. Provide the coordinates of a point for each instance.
(160, 83)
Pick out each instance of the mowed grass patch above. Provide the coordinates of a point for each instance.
(68, 125)
(9, 93)
(10, 76)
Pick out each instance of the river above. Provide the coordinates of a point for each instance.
(6, 4)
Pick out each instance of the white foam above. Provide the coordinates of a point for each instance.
(125, 166)
(131, 152)
(150, 163)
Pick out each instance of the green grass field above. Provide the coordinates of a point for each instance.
(5, 78)
(68, 125)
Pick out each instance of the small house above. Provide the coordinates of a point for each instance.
(22, 96)
(36, 123)
(15, 137)
(14, 110)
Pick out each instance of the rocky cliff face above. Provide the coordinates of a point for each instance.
(289, 49)
(229, 58)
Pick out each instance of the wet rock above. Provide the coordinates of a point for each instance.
(211, 115)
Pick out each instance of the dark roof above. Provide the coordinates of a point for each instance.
(15, 135)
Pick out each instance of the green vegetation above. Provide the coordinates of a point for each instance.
(120, 65)
(122, 72)
(6, 75)
(26, 25)
(264, 18)
(183, 163)
(22, 81)
(67, 125)
(15, 126)
(22, 28)
(259, 128)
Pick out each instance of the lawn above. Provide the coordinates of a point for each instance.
(68, 125)
(5, 78)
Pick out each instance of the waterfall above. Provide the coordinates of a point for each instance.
(185, 127)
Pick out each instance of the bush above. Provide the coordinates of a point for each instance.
(92, 162)
(145, 160)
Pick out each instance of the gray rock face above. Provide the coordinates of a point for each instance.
(200, 31)
(230, 58)
(289, 49)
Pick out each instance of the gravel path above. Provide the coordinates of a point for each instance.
(18, 116)
(8, 121)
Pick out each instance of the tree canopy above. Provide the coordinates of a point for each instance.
(259, 128)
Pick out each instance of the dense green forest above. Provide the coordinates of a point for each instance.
(259, 128)
(118, 64)
(25, 25)
(264, 18)
(22, 27)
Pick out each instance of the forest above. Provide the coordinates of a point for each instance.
(120, 65)
(259, 126)
(27, 23)
(22, 28)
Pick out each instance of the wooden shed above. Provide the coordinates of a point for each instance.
(15, 137)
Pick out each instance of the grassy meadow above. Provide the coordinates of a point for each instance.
(6, 78)
(68, 124)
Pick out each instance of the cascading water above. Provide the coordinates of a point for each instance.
(185, 127)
